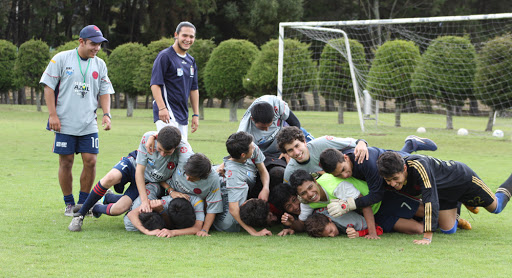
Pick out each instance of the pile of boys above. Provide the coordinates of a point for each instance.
(277, 172)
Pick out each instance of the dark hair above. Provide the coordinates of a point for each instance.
(262, 112)
(281, 194)
(390, 163)
(238, 143)
(184, 24)
(181, 213)
(329, 159)
(276, 176)
(315, 224)
(198, 166)
(254, 213)
(287, 135)
(169, 137)
(299, 177)
(152, 220)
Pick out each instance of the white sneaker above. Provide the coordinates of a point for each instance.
(69, 210)
(76, 224)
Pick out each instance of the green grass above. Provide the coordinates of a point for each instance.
(34, 240)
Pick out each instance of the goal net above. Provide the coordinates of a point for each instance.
(441, 68)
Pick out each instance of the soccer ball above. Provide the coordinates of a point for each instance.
(462, 132)
(421, 130)
(498, 133)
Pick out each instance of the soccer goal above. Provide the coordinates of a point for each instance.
(442, 67)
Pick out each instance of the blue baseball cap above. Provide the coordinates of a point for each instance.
(93, 33)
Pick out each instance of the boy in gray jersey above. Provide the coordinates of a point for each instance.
(241, 167)
(306, 155)
(132, 221)
(137, 168)
(73, 82)
(197, 177)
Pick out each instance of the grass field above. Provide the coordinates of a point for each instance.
(35, 242)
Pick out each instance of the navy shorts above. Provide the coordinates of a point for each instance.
(393, 207)
(70, 144)
(125, 166)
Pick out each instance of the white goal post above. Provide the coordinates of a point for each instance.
(374, 33)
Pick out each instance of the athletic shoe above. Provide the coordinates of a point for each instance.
(76, 224)
(119, 188)
(69, 210)
(464, 224)
(77, 209)
(474, 210)
(421, 144)
(106, 193)
(96, 214)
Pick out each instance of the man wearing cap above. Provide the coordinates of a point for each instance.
(174, 81)
(73, 82)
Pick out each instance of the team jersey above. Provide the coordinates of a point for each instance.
(77, 85)
(316, 147)
(160, 168)
(241, 176)
(196, 202)
(367, 171)
(337, 188)
(266, 139)
(176, 76)
(429, 177)
(207, 189)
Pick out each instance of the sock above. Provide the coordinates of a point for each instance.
(69, 199)
(452, 230)
(502, 202)
(82, 197)
(105, 209)
(97, 192)
(111, 198)
(408, 147)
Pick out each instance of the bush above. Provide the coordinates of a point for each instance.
(8, 53)
(446, 72)
(201, 50)
(33, 57)
(142, 83)
(262, 76)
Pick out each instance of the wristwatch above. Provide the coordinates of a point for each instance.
(108, 115)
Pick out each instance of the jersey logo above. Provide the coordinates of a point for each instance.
(329, 137)
(191, 70)
(183, 149)
(148, 192)
(179, 71)
(95, 74)
(197, 191)
(229, 174)
(69, 71)
(171, 165)
(276, 110)
(164, 202)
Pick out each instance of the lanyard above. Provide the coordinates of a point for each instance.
(80, 65)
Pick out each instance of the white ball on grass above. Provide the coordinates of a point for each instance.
(498, 133)
(462, 132)
(421, 130)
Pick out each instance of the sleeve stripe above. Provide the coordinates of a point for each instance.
(198, 202)
(428, 217)
(480, 183)
(421, 170)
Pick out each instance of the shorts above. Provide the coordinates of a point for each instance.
(393, 207)
(125, 166)
(474, 193)
(69, 144)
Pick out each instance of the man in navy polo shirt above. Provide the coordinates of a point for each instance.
(174, 80)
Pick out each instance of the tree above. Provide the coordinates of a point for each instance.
(446, 72)
(33, 57)
(226, 69)
(8, 54)
(391, 72)
(121, 65)
(334, 78)
(201, 51)
(261, 79)
(493, 80)
(142, 83)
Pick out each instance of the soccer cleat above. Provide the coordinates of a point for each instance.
(76, 224)
(421, 144)
(77, 209)
(69, 210)
(474, 210)
(106, 193)
(96, 214)
(464, 224)
(119, 188)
